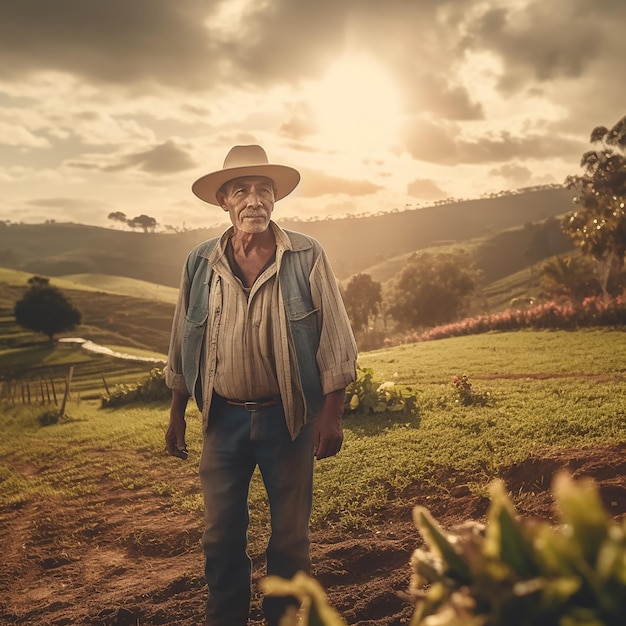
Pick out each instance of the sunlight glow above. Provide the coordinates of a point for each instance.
(356, 105)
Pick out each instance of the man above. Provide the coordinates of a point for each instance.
(262, 341)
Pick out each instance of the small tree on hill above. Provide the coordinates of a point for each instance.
(45, 309)
(432, 289)
(118, 216)
(362, 297)
(143, 221)
(598, 226)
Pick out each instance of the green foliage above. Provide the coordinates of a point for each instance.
(365, 395)
(598, 226)
(362, 297)
(511, 572)
(569, 277)
(45, 309)
(315, 609)
(432, 289)
(517, 572)
(50, 417)
(151, 389)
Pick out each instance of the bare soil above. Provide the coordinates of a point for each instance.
(123, 558)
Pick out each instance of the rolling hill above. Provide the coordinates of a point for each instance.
(353, 244)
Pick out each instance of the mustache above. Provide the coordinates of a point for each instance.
(261, 213)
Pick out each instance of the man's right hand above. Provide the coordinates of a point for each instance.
(175, 435)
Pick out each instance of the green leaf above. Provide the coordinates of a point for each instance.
(455, 567)
(505, 538)
(583, 514)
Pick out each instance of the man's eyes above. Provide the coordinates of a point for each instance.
(264, 190)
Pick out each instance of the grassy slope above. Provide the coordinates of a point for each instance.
(549, 390)
(123, 323)
(115, 310)
(119, 285)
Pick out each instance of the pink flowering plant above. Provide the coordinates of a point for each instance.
(591, 312)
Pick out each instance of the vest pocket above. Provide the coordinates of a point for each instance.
(301, 312)
(194, 320)
(194, 329)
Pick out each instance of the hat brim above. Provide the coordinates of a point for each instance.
(285, 180)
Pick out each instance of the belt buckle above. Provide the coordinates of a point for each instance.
(251, 406)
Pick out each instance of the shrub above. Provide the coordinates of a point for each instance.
(365, 395)
(151, 389)
(49, 418)
(467, 394)
(591, 312)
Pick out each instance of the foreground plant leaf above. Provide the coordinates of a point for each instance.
(454, 565)
(314, 610)
(506, 539)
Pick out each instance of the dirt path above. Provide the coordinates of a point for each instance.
(123, 558)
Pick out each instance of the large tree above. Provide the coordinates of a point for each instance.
(362, 297)
(432, 289)
(598, 226)
(45, 309)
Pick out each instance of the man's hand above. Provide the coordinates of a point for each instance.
(327, 430)
(175, 435)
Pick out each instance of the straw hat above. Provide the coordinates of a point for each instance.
(246, 161)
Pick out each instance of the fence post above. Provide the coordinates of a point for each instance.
(54, 391)
(68, 382)
(106, 387)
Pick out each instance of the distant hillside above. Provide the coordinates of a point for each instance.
(498, 255)
(353, 244)
(356, 244)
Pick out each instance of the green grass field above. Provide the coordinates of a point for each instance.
(546, 391)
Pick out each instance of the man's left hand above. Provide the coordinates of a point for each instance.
(327, 430)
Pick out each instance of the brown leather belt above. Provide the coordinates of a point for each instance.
(253, 405)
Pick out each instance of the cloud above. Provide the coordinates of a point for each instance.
(114, 41)
(64, 209)
(12, 135)
(300, 123)
(446, 144)
(544, 41)
(165, 158)
(514, 174)
(426, 189)
(315, 183)
(435, 94)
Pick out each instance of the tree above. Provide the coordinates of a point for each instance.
(45, 309)
(569, 277)
(362, 297)
(432, 289)
(143, 221)
(598, 226)
(118, 216)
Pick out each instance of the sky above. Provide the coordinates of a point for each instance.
(117, 106)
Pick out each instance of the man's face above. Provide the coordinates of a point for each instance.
(249, 201)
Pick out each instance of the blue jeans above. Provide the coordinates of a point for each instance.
(236, 441)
